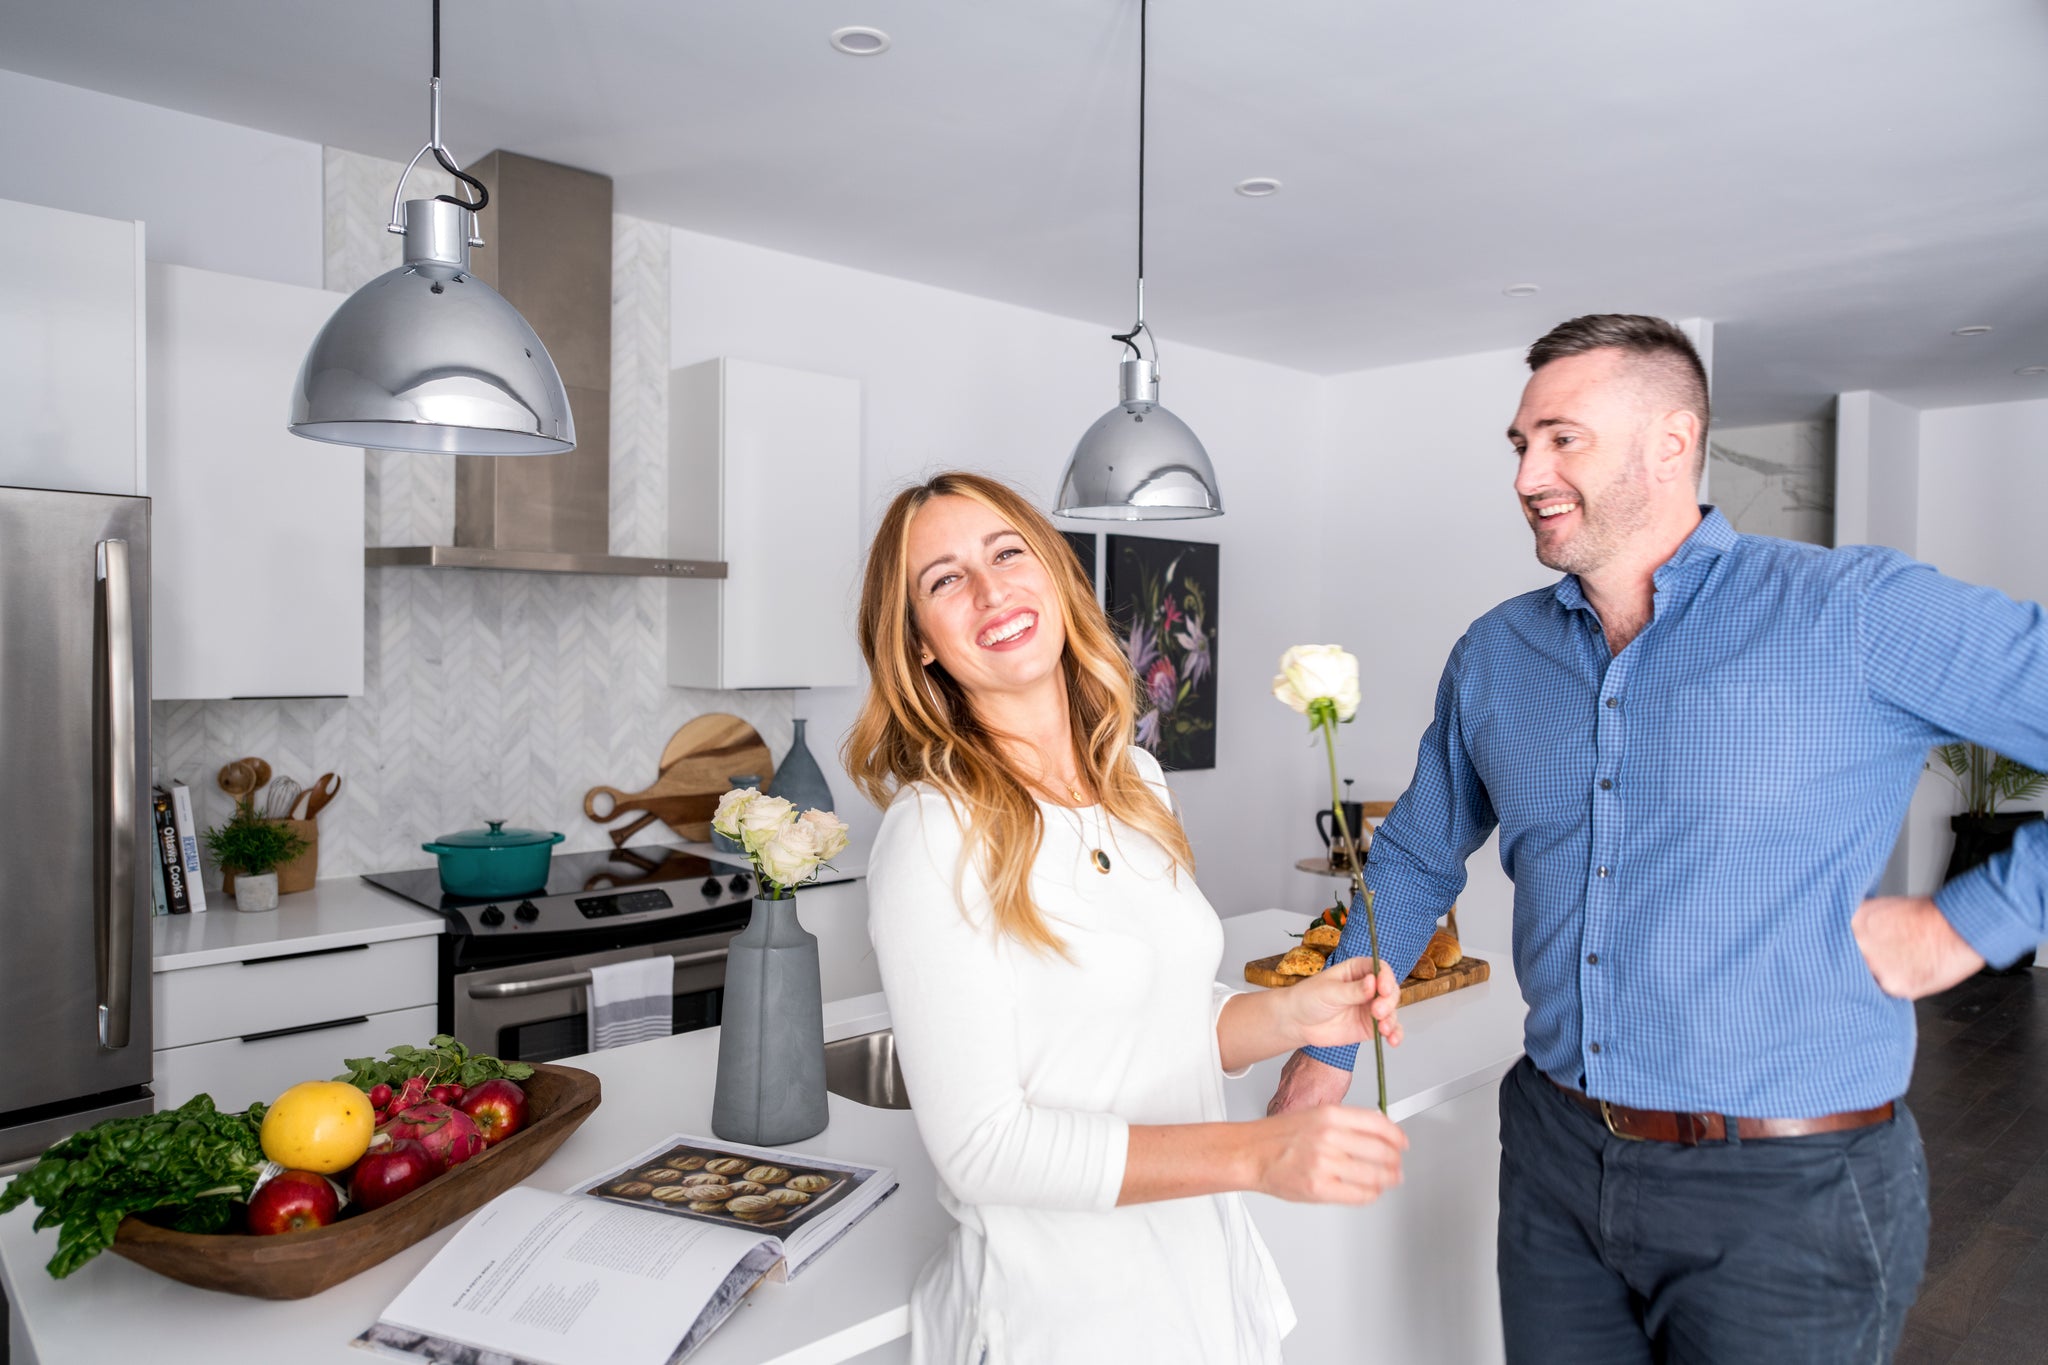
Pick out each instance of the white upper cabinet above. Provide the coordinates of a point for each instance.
(71, 357)
(258, 587)
(764, 474)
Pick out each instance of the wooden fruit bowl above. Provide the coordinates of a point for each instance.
(295, 1265)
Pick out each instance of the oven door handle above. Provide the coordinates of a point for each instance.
(539, 985)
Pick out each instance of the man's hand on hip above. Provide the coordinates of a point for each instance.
(1910, 946)
(1306, 1083)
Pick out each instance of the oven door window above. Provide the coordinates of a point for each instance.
(568, 1035)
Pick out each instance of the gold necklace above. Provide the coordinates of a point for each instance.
(1095, 854)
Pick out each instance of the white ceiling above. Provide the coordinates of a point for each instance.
(1839, 183)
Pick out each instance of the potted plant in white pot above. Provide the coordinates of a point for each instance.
(253, 848)
(1986, 780)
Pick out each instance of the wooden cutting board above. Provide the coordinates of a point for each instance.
(1470, 971)
(696, 765)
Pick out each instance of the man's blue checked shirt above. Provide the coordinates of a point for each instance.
(1691, 823)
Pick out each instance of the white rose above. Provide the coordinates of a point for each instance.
(1311, 672)
(726, 819)
(831, 831)
(761, 818)
(789, 857)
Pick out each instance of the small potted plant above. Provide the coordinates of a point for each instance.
(252, 848)
(1986, 780)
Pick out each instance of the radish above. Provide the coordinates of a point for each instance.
(449, 1135)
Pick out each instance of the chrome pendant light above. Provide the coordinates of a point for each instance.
(1139, 462)
(427, 357)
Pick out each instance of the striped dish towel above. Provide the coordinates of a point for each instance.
(631, 1002)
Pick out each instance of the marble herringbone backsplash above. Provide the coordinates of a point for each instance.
(485, 694)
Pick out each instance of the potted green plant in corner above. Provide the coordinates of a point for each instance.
(1987, 780)
(252, 848)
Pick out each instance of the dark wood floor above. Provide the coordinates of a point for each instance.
(1980, 1092)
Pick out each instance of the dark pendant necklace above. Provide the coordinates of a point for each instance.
(1101, 861)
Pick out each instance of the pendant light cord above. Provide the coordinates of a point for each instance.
(483, 195)
(1130, 338)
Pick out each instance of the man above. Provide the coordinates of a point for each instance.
(1698, 747)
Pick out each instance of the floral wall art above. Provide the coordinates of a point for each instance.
(1162, 596)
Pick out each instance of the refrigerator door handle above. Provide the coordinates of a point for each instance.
(114, 842)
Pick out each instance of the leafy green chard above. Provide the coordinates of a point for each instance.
(193, 1159)
(442, 1061)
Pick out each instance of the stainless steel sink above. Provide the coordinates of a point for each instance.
(863, 1069)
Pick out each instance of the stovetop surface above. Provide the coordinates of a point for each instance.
(591, 890)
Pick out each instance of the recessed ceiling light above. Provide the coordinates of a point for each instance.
(1522, 291)
(1977, 330)
(2032, 370)
(860, 41)
(1258, 187)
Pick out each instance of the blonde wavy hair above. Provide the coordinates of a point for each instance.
(918, 725)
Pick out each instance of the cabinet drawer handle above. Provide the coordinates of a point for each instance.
(310, 952)
(303, 1028)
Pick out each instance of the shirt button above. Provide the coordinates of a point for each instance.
(1593, 960)
(1593, 1047)
(1599, 871)
(1613, 702)
(1606, 784)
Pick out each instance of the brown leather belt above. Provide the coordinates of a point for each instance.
(1662, 1125)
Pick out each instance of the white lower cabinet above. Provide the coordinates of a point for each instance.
(238, 1072)
(244, 1031)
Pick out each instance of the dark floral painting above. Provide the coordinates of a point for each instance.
(1162, 597)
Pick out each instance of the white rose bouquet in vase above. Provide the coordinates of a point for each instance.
(771, 1042)
(1321, 682)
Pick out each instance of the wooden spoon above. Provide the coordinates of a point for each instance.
(238, 780)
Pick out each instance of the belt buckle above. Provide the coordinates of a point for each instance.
(1607, 1116)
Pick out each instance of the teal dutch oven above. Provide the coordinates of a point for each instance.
(495, 861)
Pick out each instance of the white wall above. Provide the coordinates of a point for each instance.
(214, 195)
(1982, 480)
(1877, 471)
(1422, 535)
(952, 381)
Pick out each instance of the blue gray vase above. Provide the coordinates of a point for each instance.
(771, 1039)
(798, 778)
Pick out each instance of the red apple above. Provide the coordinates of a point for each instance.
(497, 1107)
(386, 1172)
(293, 1201)
(448, 1134)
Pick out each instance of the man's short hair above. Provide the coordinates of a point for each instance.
(1669, 350)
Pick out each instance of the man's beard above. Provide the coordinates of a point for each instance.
(1606, 523)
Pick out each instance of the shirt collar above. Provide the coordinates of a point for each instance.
(1709, 540)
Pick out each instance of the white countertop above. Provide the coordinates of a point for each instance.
(849, 1302)
(334, 914)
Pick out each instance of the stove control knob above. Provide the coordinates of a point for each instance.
(492, 916)
(711, 887)
(527, 912)
(738, 882)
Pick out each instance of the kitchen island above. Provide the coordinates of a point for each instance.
(1409, 1278)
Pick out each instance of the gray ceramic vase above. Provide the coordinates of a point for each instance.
(798, 778)
(771, 1040)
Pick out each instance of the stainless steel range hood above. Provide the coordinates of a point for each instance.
(549, 230)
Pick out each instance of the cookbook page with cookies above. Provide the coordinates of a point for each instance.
(539, 1278)
(805, 1202)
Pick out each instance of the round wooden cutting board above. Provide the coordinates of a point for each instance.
(697, 764)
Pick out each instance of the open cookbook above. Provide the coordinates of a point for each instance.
(636, 1267)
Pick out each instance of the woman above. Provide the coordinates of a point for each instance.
(1051, 972)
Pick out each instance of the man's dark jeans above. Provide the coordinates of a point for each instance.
(1615, 1252)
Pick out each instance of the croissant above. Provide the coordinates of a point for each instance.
(1443, 949)
(1323, 936)
(1424, 969)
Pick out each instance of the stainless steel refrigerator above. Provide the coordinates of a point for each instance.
(75, 822)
